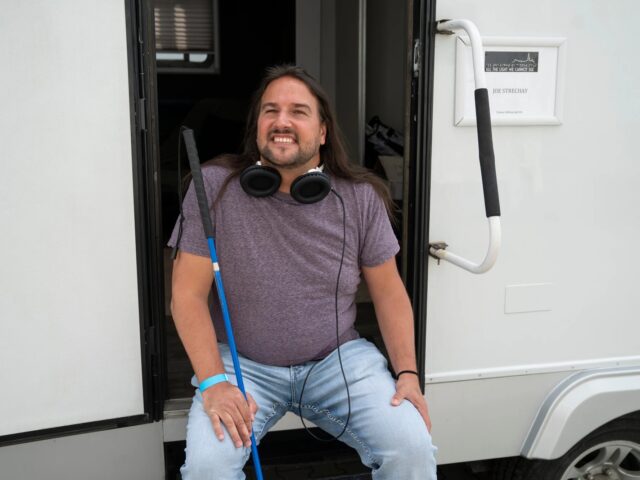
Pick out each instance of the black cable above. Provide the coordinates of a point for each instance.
(346, 384)
(175, 249)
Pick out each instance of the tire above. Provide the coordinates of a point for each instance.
(611, 452)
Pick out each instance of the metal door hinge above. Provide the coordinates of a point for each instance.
(417, 58)
(151, 341)
(141, 115)
(444, 32)
(437, 246)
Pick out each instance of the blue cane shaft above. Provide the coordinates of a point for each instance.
(225, 315)
(201, 195)
(232, 344)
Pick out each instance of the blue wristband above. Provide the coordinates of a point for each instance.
(211, 381)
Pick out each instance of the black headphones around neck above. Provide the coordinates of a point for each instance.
(262, 181)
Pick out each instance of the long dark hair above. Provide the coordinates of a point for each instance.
(333, 153)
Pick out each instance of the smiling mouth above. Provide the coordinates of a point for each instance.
(283, 139)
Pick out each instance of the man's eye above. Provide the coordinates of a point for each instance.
(299, 112)
(270, 110)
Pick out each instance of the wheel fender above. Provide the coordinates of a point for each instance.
(578, 405)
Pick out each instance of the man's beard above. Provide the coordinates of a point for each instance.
(304, 154)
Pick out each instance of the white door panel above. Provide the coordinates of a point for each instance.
(70, 330)
(569, 202)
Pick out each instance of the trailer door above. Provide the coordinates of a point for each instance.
(562, 296)
(70, 322)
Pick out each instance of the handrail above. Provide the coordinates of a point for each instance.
(487, 159)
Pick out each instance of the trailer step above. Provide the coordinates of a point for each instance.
(335, 469)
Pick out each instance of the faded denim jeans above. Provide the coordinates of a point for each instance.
(393, 441)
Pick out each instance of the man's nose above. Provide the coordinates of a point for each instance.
(283, 120)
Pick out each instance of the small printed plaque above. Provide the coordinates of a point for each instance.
(511, 62)
(524, 78)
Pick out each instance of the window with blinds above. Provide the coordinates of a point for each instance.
(187, 36)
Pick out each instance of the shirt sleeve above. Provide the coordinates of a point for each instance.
(379, 243)
(188, 232)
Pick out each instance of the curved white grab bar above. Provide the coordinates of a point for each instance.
(487, 161)
(495, 239)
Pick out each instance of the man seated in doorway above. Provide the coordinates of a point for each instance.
(291, 260)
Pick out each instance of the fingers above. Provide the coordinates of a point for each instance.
(417, 400)
(397, 399)
(253, 406)
(227, 406)
(217, 426)
(236, 428)
(244, 424)
(424, 413)
(238, 422)
(245, 414)
(421, 406)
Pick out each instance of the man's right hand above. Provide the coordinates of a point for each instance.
(225, 404)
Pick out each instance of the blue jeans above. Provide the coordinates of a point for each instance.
(393, 441)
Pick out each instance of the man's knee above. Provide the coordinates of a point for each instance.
(408, 449)
(215, 460)
(420, 449)
(414, 443)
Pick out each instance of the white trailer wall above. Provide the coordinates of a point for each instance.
(69, 321)
(570, 216)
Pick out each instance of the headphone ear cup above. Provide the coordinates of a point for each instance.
(260, 181)
(310, 187)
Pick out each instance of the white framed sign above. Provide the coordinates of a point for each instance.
(525, 80)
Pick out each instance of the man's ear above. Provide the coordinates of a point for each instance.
(323, 133)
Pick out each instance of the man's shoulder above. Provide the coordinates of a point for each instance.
(350, 183)
(218, 168)
(362, 190)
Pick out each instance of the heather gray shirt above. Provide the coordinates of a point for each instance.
(279, 263)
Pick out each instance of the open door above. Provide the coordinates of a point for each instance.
(74, 306)
(417, 176)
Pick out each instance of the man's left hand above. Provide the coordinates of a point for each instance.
(408, 388)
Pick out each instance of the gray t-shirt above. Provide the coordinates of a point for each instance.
(279, 263)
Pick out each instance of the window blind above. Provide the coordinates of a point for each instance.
(184, 25)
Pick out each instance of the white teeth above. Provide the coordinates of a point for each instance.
(282, 140)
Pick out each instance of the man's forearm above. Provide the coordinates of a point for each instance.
(193, 322)
(394, 313)
(395, 318)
